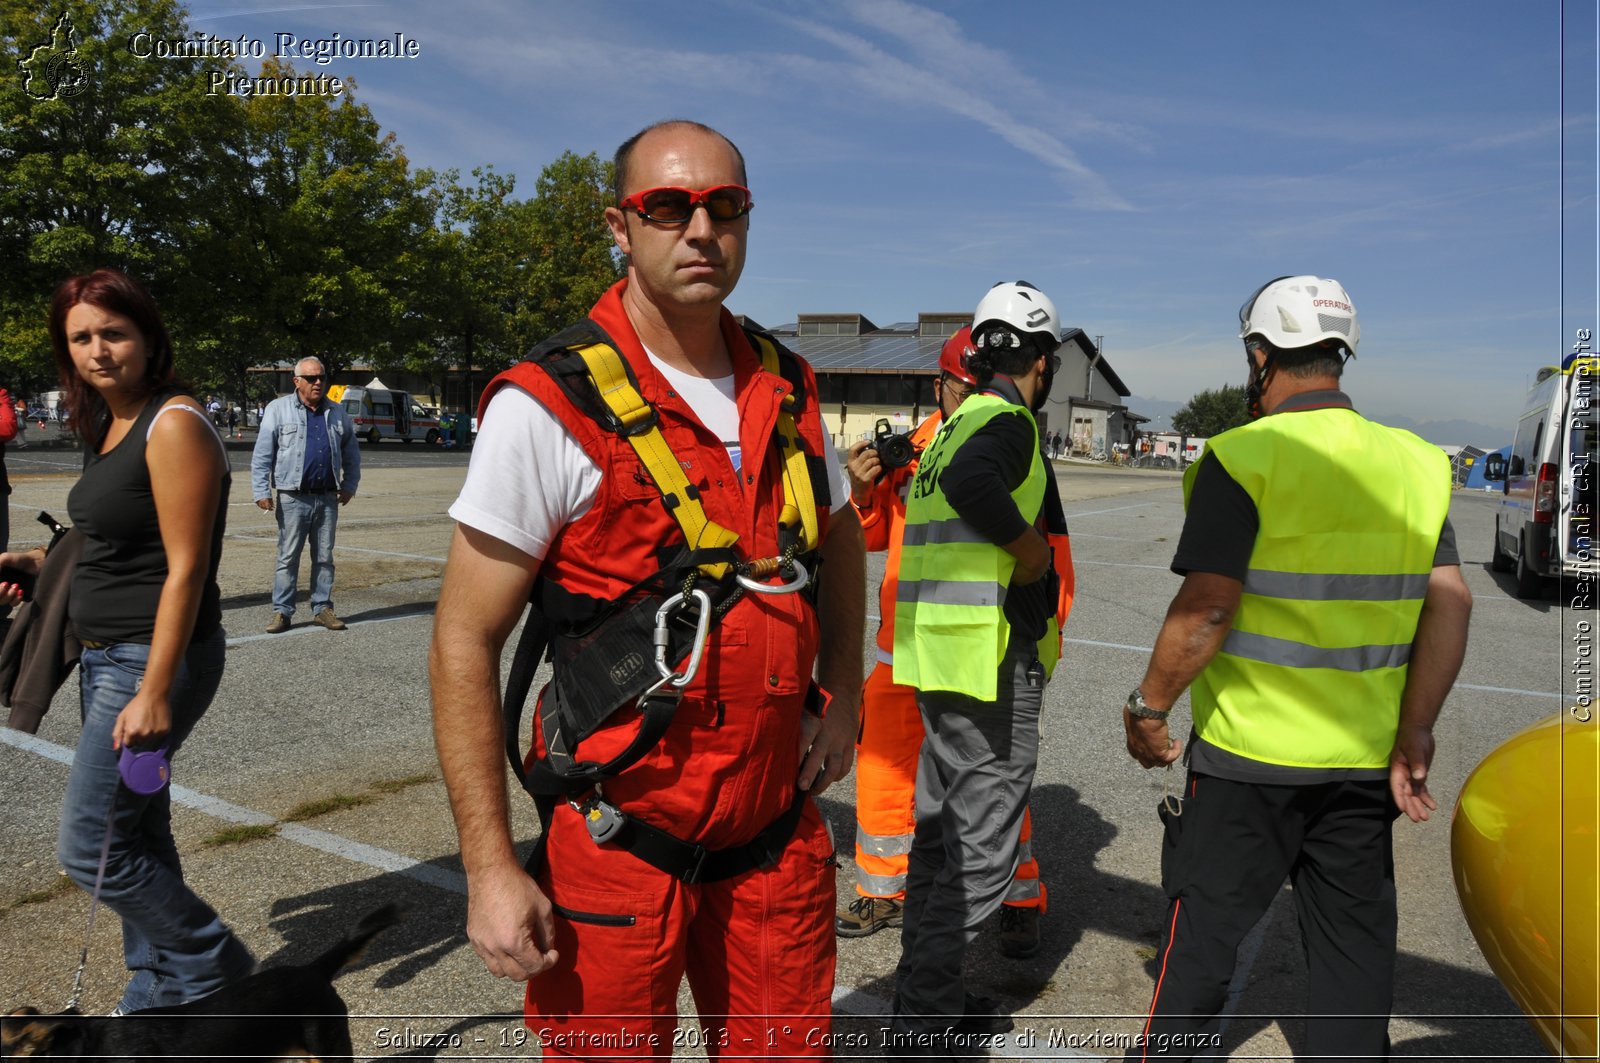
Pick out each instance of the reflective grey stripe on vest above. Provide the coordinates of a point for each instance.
(950, 592)
(880, 885)
(1022, 889)
(1293, 654)
(1335, 586)
(1024, 852)
(940, 532)
(883, 844)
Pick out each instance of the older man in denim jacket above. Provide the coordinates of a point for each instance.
(306, 449)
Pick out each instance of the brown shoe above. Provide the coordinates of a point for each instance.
(278, 624)
(868, 915)
(328, 620)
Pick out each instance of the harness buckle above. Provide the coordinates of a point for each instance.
(602, 818)
(691, 874)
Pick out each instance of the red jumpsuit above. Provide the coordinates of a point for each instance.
(760, 944)
(891, 727)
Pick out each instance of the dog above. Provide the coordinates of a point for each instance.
(276, 1014)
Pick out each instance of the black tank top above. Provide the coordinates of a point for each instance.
(117, 584)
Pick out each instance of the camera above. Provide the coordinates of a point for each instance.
(894, 448)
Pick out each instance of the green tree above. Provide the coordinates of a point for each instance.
(1211, 413)
(330, 226)
(571, 257)
(474, 256)
(106, 159)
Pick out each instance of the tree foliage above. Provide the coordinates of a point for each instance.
(1211, 413)
(106, 169)
(269, 227)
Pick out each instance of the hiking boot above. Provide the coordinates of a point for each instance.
(278, 624)
(982, 1015)
(328, 620)
(1019, 931)
(868, 915)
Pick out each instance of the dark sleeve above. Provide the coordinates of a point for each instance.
(1219, 531)
(1055, 516)
(985, 470)
(1445, 553)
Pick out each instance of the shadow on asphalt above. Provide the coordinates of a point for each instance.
(432, 924)
(1470, 1014)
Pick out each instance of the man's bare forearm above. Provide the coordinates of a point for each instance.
(1439, 647)
(469, 734)
(1197, 624)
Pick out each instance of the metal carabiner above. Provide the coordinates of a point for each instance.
(661, 639)
(801, 578)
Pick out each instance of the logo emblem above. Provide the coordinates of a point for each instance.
(626, 669)
(54, 69)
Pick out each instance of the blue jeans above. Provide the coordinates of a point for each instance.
(175, 944)
(305, 515)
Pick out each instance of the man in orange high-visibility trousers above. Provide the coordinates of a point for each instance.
(891, 727)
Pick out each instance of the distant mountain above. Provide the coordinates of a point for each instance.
(1453, 432)
(1159, 411)
(1445, 433)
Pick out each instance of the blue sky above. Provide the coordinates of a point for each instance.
(1147, 164)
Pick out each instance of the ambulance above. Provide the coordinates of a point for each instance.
(382, 413)
(1544, 526)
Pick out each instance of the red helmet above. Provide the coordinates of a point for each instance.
(953, 357)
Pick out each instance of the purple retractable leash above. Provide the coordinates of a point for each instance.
(144, 772)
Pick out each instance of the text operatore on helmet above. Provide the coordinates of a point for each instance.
(1022, 307)
(1301, 311)
(955, 354)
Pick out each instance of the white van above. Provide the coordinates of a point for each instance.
(1544, 527)
(381, 413)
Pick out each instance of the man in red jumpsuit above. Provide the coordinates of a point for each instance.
(891, 727)
(602, 936)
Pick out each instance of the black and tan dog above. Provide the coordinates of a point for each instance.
(280, 1013)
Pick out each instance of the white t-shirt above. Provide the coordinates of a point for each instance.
(529, 478)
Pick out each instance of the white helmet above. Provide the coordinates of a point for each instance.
(1300, 311)
(1020, 305)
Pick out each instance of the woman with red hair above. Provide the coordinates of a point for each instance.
(145, 605)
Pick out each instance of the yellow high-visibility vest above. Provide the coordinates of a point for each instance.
(949, 616)
(1312, 672)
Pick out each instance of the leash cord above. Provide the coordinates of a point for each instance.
(94, 908)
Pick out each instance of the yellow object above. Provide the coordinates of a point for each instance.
(1527, 871)
(336, 393)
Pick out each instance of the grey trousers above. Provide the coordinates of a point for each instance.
(973, 778)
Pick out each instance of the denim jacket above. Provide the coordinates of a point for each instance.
(280, 455)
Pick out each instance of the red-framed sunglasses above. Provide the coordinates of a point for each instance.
(675, 206)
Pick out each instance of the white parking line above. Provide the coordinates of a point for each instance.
(299, 833)
(1113, 509)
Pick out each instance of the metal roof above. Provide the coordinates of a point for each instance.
(904, 351)
(876, 352)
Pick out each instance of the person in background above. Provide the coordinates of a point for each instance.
(891, 735)
(306, 449)
(1321, 622)
(152, 504)
(9, 431)
(976, 635)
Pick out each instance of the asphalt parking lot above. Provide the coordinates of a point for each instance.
(310, 795)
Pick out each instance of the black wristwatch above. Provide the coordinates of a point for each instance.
(1136, 707)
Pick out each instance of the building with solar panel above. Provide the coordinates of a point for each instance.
(866, 373)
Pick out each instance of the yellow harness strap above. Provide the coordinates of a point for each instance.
(798, 501)
(681, 498)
